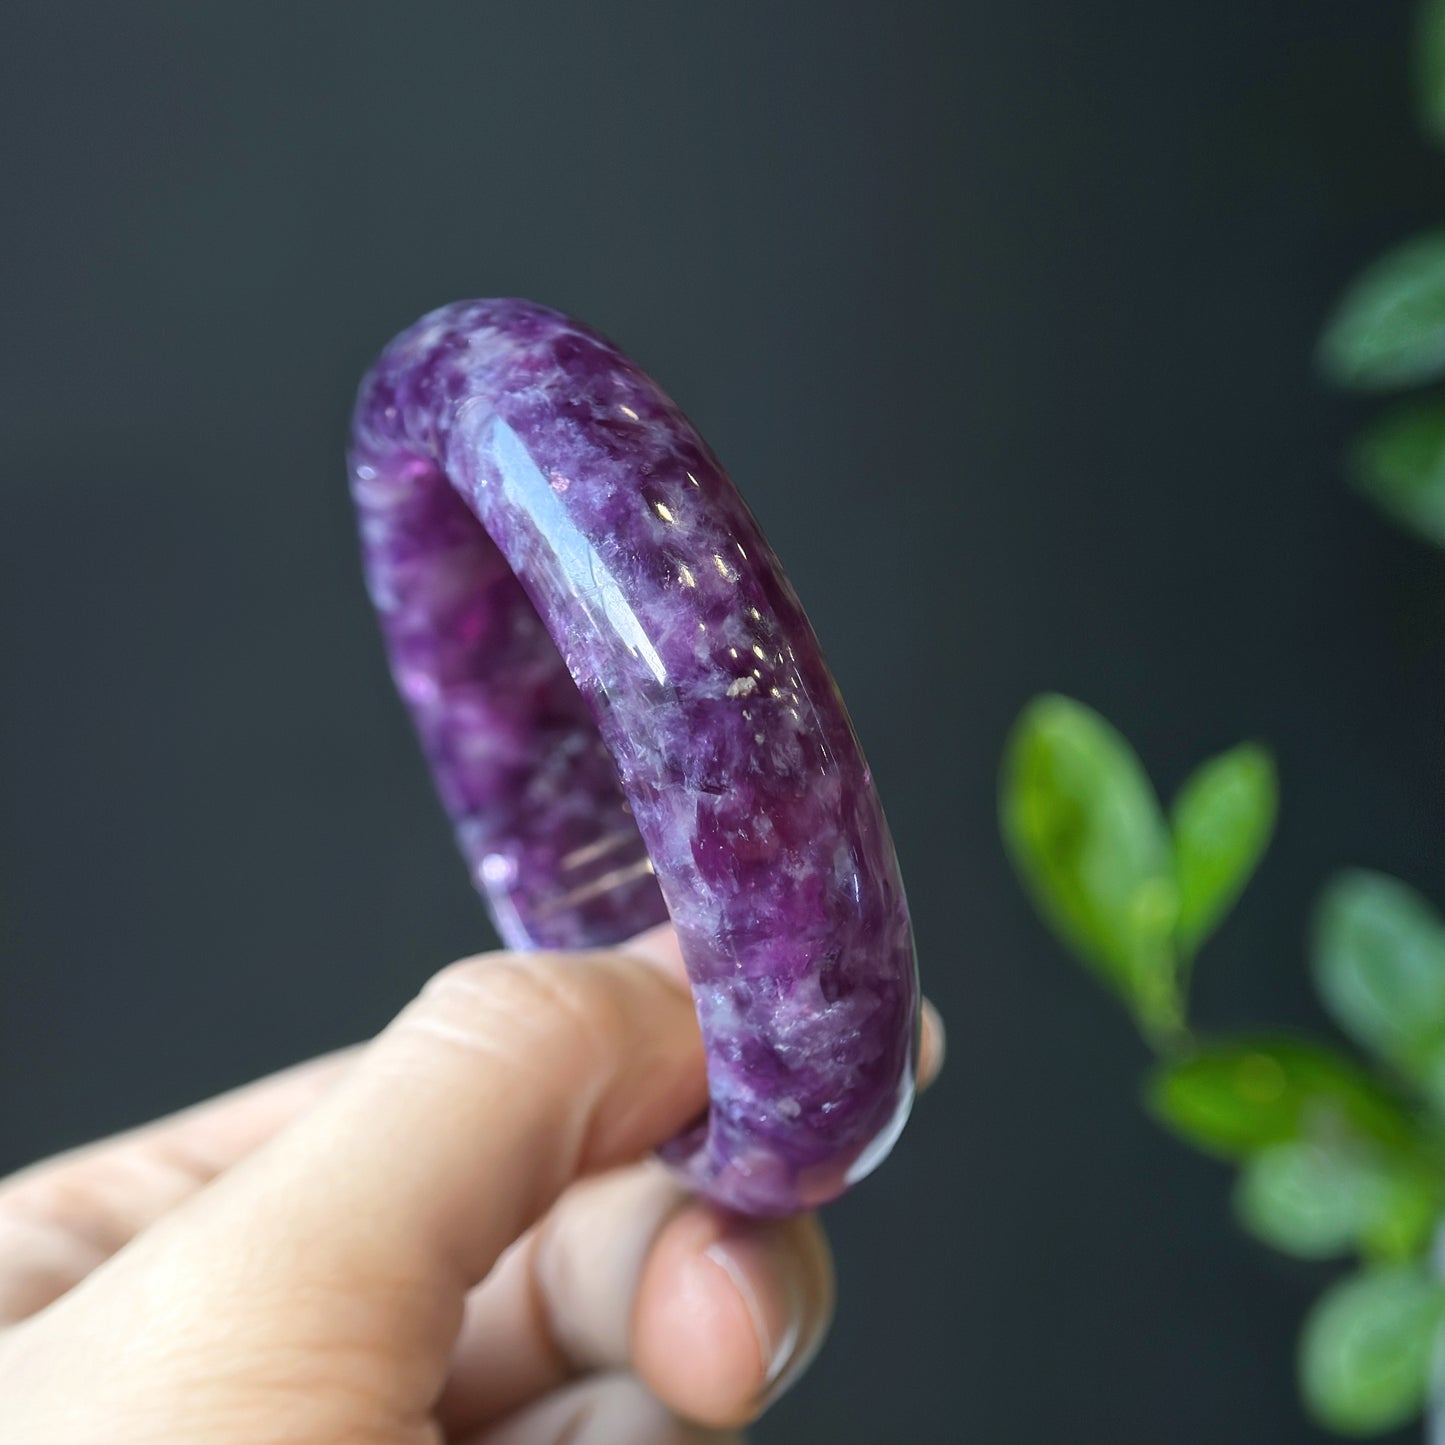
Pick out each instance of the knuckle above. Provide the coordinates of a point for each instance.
(524, 1002)
(84, 1204)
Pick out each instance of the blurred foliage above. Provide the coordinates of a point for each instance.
(1399, 464)
(1133, 894)
(1090, 840)
(1430, 69)
(1323, 1197)
(1387, 333)
(1369, 1347)
(1336, 1156)
(1379, 963)
(1221, 823)
(1388, 330)
(1234, 1097)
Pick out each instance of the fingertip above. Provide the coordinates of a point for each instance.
(695, 1342)
(932, 1045)
(729, 1312)
(659, 946)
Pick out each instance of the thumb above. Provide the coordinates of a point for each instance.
(505, 1079)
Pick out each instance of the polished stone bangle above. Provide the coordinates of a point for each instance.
(628, 718)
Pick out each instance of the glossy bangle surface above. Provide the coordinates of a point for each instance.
(627, 716)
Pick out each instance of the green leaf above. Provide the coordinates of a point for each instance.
(1389, 328)
(1237, 1097)
(1379, 964)
(1399, 464)
(1088, 838)
(1319, 1199)
(1302, 1198)
(1430, 68)
(1368, 1349)
(1222, 821)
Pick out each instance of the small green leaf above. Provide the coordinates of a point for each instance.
(1399, 464)
(1087, 836)
(1368, 1348)
(1238, 1097)
(1320, 1198)
(1430, 68)
(1389, 328)
(1379, 964)
(1222, 821)
(1304, 1199)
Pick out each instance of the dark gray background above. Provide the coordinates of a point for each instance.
(999, 313)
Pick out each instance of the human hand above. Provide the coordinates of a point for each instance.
(443, 1236)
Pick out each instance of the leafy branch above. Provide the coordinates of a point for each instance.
(1336, 1156)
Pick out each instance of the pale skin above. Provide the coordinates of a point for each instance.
(453, 1233)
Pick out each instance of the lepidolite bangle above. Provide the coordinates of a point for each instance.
(628, 718)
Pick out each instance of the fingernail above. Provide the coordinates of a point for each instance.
(787, 1341)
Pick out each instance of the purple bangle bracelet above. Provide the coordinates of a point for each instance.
(628, 718)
